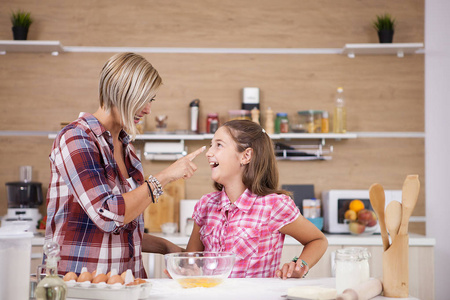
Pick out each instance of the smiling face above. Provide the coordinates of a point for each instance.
(224, 159)
(144, 111)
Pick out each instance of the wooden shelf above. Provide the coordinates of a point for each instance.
(400, 49)
(53, 47)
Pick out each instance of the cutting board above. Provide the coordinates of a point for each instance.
(168, 207)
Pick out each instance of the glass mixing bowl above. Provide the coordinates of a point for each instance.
(199, 269)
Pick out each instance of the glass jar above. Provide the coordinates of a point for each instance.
(212, 122)
(279, 119)
(241, 114)
(284, 126)
(306, 117)
(317, 121)
(351, 267)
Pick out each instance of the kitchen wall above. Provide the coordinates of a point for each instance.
(383, 93)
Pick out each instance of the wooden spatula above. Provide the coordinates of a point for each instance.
(377, 200)
(410, 193)
(393, 218)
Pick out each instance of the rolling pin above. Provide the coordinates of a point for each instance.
(366, 290)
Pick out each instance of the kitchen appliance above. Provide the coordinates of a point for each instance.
(336, 202)
(186, 211)
(250, 98)
(15, 253)
(24, 198)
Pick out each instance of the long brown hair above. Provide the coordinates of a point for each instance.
(261, 173)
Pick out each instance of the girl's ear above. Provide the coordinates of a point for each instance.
(247, 156)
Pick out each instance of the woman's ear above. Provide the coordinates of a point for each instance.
(247, 156)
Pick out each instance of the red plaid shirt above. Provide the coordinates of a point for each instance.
(85, 208)
(251, 230)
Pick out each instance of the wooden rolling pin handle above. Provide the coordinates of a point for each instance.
(366, 290)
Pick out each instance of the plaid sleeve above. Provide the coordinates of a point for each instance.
(79, 161)
(284, 211)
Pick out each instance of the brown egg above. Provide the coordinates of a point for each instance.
(70, 276)
(115, 279)
(109, 274)
(85, 276)
(94, 273)
(100, 278)
(138, 281)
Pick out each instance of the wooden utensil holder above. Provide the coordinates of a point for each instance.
(396, 269)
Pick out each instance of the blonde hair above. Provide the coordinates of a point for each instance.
(261, 173)
(127, 81)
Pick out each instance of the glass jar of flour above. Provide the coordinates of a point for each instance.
(352, 267)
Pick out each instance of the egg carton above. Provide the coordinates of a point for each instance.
(109, 292)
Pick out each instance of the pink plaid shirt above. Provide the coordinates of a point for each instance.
(251, 230)
(85, 207)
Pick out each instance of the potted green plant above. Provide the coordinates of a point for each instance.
(385, 25)
(21, 21)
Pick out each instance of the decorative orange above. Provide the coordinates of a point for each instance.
(356, 205)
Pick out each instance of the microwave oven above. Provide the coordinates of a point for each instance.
(336, 202)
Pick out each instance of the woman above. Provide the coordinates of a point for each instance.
(97, 192)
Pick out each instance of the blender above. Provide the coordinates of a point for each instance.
(24, 198)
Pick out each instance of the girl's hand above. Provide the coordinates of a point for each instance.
(292, 270)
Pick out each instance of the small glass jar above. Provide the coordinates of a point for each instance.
(279, 119)
(240, 114)
(306, 117)
(351, 267)
(212, 122)
(317, 121)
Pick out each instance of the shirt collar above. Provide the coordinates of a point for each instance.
(243, 203)
(98, 129)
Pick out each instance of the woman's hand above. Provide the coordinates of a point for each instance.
(182, 168)
(292, 270)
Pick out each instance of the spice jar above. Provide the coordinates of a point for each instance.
(352, 267)
(279, 119)
(212, 122)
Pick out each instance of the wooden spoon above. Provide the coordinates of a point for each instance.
(393, 218)
(377, 200)
(410, 194)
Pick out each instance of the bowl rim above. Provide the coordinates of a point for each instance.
(200, 254)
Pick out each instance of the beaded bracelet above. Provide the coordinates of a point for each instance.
(295, 259)
(303, 262)
(157, 191)
(150, 193)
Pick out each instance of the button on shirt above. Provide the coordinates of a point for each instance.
(85, 208)
(249, 227)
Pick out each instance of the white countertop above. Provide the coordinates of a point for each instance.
(333, 239)
(236, 289)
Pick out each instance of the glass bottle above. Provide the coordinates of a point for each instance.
(340, 113)
(51, 287)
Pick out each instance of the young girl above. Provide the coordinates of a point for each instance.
(248, 215)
